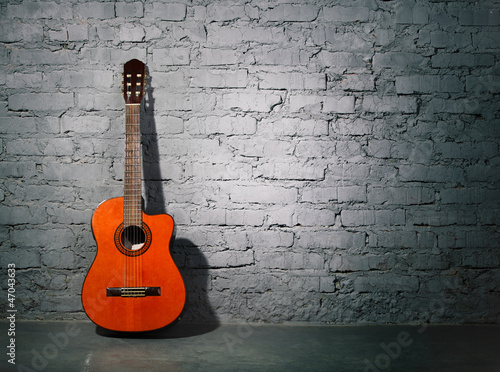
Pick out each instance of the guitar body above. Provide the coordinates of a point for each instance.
(132, 289)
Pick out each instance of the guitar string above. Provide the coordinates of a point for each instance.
(133, 209)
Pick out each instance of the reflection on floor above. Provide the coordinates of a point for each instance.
(80, 346)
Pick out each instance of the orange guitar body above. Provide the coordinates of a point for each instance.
(132, 290)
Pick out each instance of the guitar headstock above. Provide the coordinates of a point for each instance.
(133, 81)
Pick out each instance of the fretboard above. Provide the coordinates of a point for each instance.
(132, 211)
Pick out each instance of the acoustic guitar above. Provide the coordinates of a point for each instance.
(133, 284)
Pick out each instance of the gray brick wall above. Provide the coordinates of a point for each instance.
(324, 161)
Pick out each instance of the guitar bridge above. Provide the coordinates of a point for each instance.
(132, 291)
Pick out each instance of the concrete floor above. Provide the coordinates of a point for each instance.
(80, 346)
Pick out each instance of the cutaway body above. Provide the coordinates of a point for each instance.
(137, 287)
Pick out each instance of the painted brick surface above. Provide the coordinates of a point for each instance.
(331, 162)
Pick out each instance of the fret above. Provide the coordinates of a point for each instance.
(133, 167)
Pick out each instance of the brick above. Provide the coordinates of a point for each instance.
(326, 104)
(351, 194)
(37, 10)
(85, 124)
(281, 216)
(263, 194)
(167, 101)
(305, 102)
(373, 217)
(341, 105)
(78, 32)
(99, 101)
(248, 102)
(58, 35)
(291, 171)
(480, 17)
(350, 263)
(269, 56)
(78, 79)
(386, 283)
(330, 239)
(87, 173)
(292, 81)
(319, 194)
(166, 11)
(129, 10)
(172, 79)
(342, 61)
(226, 125)
(295, 127)
(436, 173)
(408, 13)
(21, 215)
(447, 60)
(291, 13)
(481, 260)
(274, 238)
(41, 101)
(54, 147)
(354, 127)
(171, 57)
(315, 149)
(220, 13)
(260, 148)
(44, 57)
(486, 41)
(469, 105)
(23, 258)
(227, 35)
(396, 239)
(357, 82)
(341, 41)
(12, 31)
(398, 60)
(219, 79)
(244, 217)
(389, 104)
(428, 84)
(205, 216)
(348, 172)
(94, 9)
(346, 14)
(316, 217)
(441, 39)
(20, 125)
(17, 169)
(467, 150)
(214, 57)
(206, 148)
(136, 33)
(483, 84)
(230, 259)
(443, 218)
(384, 37)
(218, 171)
(379, 195)
(189, 30)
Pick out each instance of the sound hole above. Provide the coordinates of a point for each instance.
(133, 240)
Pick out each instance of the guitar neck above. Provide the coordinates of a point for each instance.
(132, 213)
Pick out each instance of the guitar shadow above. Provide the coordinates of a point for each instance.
(198, 316)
